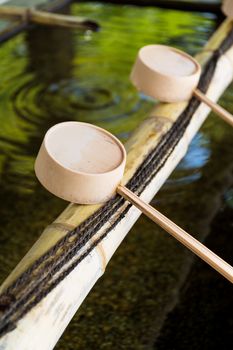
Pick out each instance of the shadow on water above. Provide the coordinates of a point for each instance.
(53, 75)
(200, 320)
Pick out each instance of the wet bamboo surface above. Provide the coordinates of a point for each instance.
(144, 138)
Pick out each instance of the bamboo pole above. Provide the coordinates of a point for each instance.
(46, 18)
(55, 311)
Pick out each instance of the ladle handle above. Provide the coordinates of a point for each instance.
(228, 117)
(182, 236)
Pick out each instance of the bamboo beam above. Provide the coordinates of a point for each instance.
(46, 18)
(55, 311)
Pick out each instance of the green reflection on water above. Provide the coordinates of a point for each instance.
(52, 75)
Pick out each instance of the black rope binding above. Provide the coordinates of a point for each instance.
(53, 266)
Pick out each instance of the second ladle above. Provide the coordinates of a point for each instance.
(82, 163)
(171, 75)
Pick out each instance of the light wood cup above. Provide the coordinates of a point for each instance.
(171, 75)
(165, 73)
(85, 164)
(227, 8)
(80, 162)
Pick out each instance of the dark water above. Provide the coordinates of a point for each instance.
(155, 294)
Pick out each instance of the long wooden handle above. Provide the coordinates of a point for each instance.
(47, 18)
(226, 116)
(182, 236)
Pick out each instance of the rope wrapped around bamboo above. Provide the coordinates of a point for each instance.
(72, 253)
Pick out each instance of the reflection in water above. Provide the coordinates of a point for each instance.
(198, 154)
(190, 168)
(52, 75)
(200, 317)
(229, 198)
(26, 103)
(70, 93)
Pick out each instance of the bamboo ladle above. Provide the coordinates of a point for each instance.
(171, 75)
(84, 164)
(227, 8)
(46, 18)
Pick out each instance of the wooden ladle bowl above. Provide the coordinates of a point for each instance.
(227, 8)
(80, 162)
(170, 75)
(165, 73)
